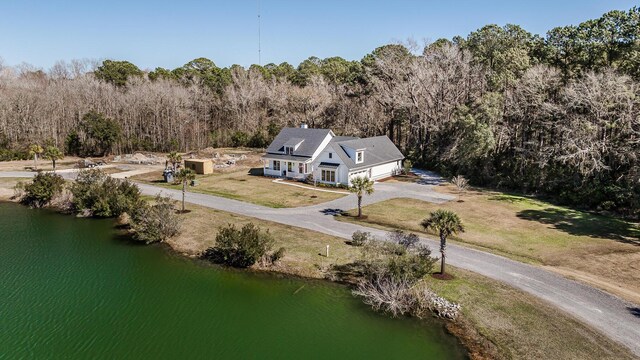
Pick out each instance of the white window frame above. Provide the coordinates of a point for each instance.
(289, 167)
(276, 165)
(328, 176)
(359, 157)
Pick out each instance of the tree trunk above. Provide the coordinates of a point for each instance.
(443, 250)
(54, 164)
(184, 183)
(35, 162)
(359, 205)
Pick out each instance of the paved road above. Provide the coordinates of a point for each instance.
(613, 316)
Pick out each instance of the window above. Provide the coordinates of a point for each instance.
(301, 168)
(328, 176)
(276, 165)
(306, 168)
(289, 166)
(330, 155)
(359, 157)
(288, 150)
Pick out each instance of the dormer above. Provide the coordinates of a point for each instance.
(355, 149)
(292, 145)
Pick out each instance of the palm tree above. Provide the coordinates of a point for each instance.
(35, 150)
(174, 158)
(185, 175)
(445, 223)
(52, 154)
(361, 185)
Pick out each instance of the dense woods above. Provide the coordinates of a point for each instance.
(557, 115)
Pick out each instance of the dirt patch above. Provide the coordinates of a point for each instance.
(440, 276)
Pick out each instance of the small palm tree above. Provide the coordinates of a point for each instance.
(361, 185)
(445, 223)
(35, 150)
(52, 154)
(184, 176)
(174, 158)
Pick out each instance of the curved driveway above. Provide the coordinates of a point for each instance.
(613, 316)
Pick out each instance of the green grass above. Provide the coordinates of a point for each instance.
(241, 185)
(520, 325)
(596, 249)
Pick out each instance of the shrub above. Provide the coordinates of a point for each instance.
(103, 196)
(239, 139)
(460, 182)
(240, 247)
(390, 259)
(360, 238)
(157, 222)
(277, 255)
(406, 166)
(406, 240)
(43, 188)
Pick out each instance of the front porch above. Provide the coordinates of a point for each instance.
(296, 170)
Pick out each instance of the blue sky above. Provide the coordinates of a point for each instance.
(170, 33)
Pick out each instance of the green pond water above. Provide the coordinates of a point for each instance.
(73, 288)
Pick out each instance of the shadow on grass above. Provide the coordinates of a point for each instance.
(347, 273)
(256, 172)
(635, 311)
(584, 224)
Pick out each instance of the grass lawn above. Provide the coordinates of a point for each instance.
(602, 251)
(305, 249)
(241, 185)
(519, 324)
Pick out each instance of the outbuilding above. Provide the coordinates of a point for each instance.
(199, 166)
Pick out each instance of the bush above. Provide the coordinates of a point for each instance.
(277, 255)
(157, 222)
(240, 248)
(103, 196)
(460, 182)
(406, 166)
(360, 238)
(390, 259)
(406, 240)
(41, 191)
(239, 139)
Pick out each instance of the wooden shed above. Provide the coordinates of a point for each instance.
(199, 166)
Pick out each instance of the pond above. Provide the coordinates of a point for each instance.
(73, 288)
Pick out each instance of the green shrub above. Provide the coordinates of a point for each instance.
(240, 247)
(360, 238)
(43, 188)
(103, 196)
(239, 139)
(406, 166)
(157, 222)
(390, 260)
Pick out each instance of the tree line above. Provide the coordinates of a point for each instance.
(557, 114)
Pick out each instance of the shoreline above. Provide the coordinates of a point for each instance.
(478, 340)
(468, 337)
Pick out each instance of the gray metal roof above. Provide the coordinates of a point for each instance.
(329, 165)
(286, 157)
(378, 150)
(312, 140)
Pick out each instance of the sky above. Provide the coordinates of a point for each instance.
(153, 33)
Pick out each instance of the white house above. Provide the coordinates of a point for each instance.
(298, 152)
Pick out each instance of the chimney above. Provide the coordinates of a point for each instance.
(304, 126)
